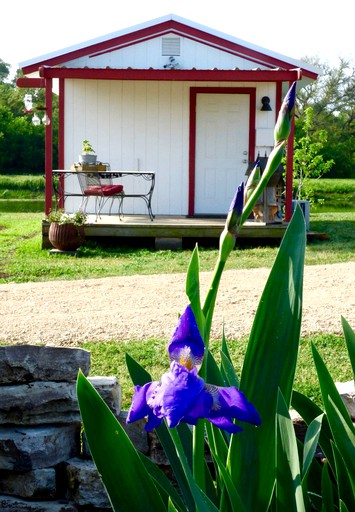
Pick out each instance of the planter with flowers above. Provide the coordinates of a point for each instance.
(66, 230)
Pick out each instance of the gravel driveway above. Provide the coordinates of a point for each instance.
(64, 313)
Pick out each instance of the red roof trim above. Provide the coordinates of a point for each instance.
(161, 29)
(31, 83)
(236, 75)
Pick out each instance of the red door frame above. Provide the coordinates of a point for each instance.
(194, 91)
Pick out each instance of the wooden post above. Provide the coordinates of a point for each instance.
(48, 147)
(289, 171)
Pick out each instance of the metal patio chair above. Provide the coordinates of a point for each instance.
(95, 184)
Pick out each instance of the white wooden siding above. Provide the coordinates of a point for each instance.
(145, 125)
(149, 54)
(265, 120)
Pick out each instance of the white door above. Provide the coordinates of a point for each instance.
(222, 141)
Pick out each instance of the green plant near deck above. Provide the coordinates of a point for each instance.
(308, 161)
(87, 148)
(60, 216)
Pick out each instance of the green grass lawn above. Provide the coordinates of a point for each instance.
(334, 195)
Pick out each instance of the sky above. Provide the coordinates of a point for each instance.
(312, 28)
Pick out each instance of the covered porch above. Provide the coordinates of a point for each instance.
(169, 232)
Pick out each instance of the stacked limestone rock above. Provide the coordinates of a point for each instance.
(42, 465)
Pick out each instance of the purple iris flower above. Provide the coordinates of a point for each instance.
(182, 395)
(186, 346)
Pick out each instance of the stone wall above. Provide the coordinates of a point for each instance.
(44, 464)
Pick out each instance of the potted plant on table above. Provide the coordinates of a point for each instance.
(88, 154)
(66, 230)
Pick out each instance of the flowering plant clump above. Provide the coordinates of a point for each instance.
(257, 467)
(60, 216)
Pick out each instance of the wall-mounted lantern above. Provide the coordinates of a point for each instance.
(265, 100)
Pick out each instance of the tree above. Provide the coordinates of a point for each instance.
(21, 143)
(308, 162)
(4, 70)
(332, 93)
(332, 98)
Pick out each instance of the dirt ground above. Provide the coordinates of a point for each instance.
(63, 313)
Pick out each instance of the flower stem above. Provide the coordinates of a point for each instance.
(198, 454)
(211, 296)
(194, 481)
(273, 163)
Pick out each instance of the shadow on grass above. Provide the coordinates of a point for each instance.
(340, 245)
(340, 231)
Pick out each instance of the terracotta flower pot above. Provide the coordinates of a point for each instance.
(66, 237)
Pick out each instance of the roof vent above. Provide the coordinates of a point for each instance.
(170, 46)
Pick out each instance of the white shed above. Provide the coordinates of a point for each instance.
(173, 97)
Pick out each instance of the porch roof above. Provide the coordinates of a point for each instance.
(165, 25)
(257, 74)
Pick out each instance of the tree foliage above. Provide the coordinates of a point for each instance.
(332, 99)
(308, 161)
(4, 70)
(21, 143)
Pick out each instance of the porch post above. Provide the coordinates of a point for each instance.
(48, 152)
(289, 171)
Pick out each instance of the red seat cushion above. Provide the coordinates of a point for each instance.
(111, 190)
(93, 191)
(104, 190)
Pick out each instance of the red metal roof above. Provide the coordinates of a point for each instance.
(168, 25)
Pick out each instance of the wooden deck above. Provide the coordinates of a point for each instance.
(169, 230)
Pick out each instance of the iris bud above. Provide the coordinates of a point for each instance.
(229, 234)
(252, 182)
(283, 124)
(235, 210)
